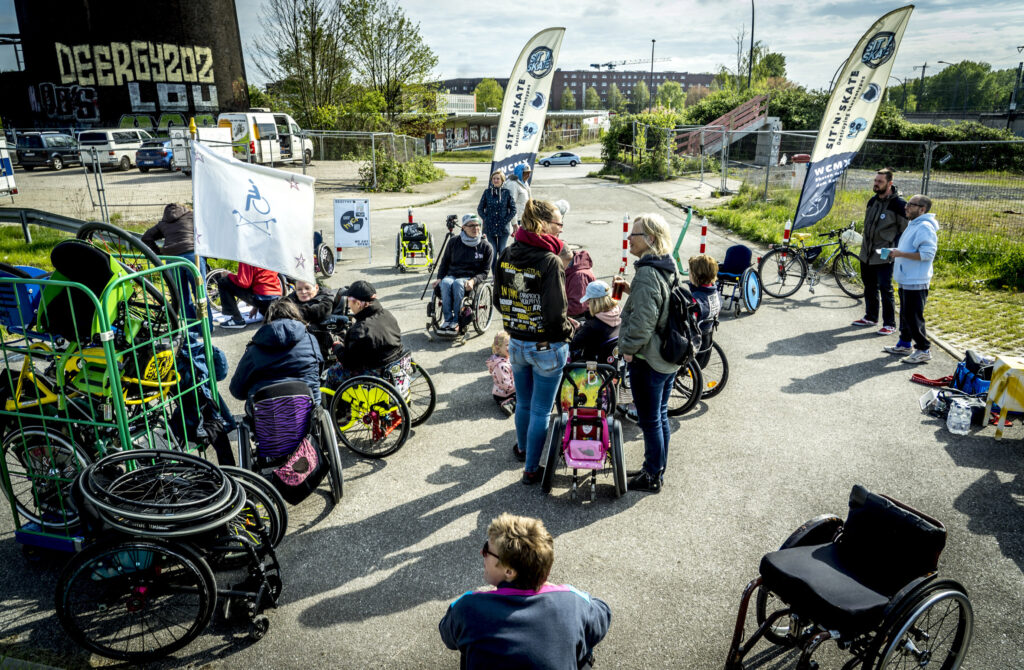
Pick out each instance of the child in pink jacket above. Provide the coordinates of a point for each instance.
(504, 388)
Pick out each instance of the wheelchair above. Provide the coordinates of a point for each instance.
(585, 436)
(282, 415)
(476, 310)
(870, 584)
(323, 256)
(739, 274)
(414, 248)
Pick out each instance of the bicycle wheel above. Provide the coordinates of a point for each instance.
(135, 600)
(329, 445)
(41, 467)
(715, 372)
(846, 269)
(370, 416)
(212, 289)
(422, 396)
(686, 390)
(782, 271)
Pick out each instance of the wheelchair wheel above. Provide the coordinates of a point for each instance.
(435, 315)
(483, 308)
(686, 390)
(750, 290)
(212, 290)
(128, 250)
(278, 505)
(778, 633)
(245, 459)
(936, 628)
(135, 600)
(325, 259)
(846, 269)
(422, 396)
(370, 416)
(618, 456)
(329, 444)
(782, 271)
(398, 252)
(41, 467)
(258, 513)
(715, 372)
(556, 431)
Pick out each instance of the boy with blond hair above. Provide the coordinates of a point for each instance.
(525, 622)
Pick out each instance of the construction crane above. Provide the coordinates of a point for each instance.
(611, 65)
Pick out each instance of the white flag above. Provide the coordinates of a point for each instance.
(253, 214)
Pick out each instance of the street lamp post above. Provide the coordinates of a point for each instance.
(650, 98)
(903, 83)
(750, 59)
(963, 79)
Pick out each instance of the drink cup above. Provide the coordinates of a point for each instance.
(617, 287)
(884, 253)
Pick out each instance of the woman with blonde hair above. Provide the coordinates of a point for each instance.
(530, 292)
(497, 209)
(644, 318)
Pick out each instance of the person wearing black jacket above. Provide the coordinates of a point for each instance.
(315, 305)
(497, 209)
(374, 339)
(467, 260)
(281, 350)
(530, 293)
(176, 229)
(884, 222)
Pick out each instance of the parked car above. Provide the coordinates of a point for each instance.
(114, 148)
(155, 154)
(561, 158)
(46, 149)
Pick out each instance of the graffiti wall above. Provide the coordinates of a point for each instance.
(99, 64)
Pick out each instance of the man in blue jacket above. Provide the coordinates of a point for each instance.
(524, 622)
(913, 273)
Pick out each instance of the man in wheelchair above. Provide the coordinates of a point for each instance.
(373, 340)
(466, 262)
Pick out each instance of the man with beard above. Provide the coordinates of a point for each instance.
(884, 222)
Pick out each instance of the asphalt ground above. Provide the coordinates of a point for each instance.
(812, 407)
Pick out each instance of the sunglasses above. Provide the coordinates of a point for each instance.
(486, 551)
(471, 225)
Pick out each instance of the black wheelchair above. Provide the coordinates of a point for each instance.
(476, 310)
(870, 584)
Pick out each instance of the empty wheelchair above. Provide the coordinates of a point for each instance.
(288, 439)
(323, 255)
(585, 438)
(870, 584)
(739, 275)
(476, 311)
(414, 247)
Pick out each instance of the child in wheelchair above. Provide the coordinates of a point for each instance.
(316, 306)
(704, 288)
(504, 389)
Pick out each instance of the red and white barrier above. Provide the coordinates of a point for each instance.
(703, 235)
(410, 215)
(787, 232)
(625, 245)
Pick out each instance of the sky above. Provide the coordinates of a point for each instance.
(697, 35)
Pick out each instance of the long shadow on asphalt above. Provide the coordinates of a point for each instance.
(840, 379)
(815, 342)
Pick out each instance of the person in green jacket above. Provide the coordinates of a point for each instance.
(644, 318)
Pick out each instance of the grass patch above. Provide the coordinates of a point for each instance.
(978, 318)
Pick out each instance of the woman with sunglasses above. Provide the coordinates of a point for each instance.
(530, 292)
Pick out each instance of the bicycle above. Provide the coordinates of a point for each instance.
(784, 268)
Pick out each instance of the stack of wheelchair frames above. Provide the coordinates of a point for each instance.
(162, 519)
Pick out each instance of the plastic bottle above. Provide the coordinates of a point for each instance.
(958, 421)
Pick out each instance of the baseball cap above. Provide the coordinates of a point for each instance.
(595, 289)
(360, 290)
(470, 218)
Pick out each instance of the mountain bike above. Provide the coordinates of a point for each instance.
(784, 268)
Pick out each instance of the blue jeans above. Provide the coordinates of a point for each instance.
(651, 391)
(498, 243)
(187, 284)
(537, 375)
(452, 292)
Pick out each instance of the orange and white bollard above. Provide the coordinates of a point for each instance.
(787, 232)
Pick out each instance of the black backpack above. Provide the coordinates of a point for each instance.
(682, 329)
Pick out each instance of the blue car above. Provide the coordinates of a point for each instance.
(561, 158)
(155, 154)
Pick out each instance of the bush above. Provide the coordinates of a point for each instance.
(393, 176)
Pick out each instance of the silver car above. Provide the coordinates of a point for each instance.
(561, 158)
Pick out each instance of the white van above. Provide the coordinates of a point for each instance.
(261, 136)
(217, 140)
(115, 147)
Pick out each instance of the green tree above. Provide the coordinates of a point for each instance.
(640, 98)
(488, 95)
(568, 99)
(615, 100)
(770, 65)
(591, 98)
(671, 96)
(387, 51)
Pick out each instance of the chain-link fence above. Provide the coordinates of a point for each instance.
(567, 137)
(96, 183)
(977, 188)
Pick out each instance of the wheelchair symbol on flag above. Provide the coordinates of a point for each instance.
(260, 206)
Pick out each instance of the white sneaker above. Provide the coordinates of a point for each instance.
(918, 357)
(898, 350)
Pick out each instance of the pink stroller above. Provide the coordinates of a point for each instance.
(585, 437)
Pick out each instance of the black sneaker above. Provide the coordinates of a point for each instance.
(520, 454)
(530, 478)
(233, 323)
(644, 482)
